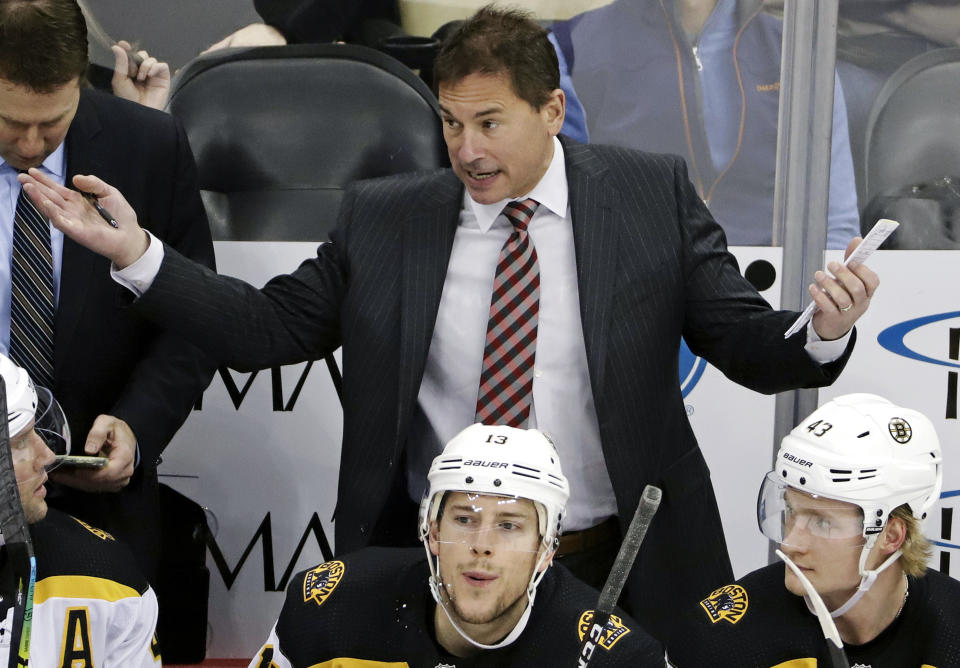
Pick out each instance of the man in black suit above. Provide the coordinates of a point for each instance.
(126, 384)
(630, 260)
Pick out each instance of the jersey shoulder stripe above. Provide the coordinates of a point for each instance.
(80, 587)
(67, 547)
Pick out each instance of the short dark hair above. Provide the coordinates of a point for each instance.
(501, 41)
(43, 43)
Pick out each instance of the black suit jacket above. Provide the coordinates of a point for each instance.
(108, 360)
(652, 266)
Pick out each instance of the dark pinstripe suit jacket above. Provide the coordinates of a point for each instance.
(107, 359)
(652, 266)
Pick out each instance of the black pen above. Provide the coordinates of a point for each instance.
(90, 197)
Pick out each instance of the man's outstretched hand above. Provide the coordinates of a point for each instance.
(77, 218)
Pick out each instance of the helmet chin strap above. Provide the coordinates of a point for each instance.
(436, 584)
(867, 578)
(815, 603)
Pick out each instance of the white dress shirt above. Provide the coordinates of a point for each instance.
(563, 404)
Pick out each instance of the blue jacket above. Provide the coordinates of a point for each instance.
(644, 85)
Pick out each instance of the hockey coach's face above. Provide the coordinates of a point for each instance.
(487, 548)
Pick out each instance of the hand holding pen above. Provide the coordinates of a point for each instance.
(122, 240)
(90, 197)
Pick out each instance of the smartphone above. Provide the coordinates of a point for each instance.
(82, 461)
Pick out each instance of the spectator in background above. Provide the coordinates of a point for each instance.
(318, 21)
(147, 83)
(700, 78)
(311, 21)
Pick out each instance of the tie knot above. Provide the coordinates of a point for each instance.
(520, 213)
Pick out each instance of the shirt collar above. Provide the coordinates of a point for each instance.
(550, 192)
(55, 163)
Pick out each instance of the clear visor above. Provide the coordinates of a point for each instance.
(792, 517)
(34, 449)
(51, 424)
(485, 522)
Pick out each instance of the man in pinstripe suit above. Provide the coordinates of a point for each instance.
(630, 260)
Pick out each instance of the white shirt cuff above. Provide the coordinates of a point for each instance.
(138, 276)
(824, 352)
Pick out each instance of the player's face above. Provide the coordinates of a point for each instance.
(30, 457)
(487, 549)
(824, 538)
(33, 124)
(499, 145)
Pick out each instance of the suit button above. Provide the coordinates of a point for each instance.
(363, 529)
(389, 463)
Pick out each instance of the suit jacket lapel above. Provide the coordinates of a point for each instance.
(427, 240)
(77, 264)
(596, 224)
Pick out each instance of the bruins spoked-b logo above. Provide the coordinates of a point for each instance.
(612, 632)
(320, 582)
(900, 430)
(728, 603)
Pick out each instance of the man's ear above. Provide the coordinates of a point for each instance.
(434, 539)
(548, 561)
(893, 536)
(554, 111)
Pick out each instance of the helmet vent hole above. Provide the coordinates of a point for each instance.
(867, 477)
(840, 480)
(841, 471)
(866, 433)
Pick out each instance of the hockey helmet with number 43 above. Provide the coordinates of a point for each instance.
(861, 449)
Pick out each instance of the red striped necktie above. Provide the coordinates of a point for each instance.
(506, 380)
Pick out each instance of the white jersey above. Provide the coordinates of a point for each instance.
(92, 608)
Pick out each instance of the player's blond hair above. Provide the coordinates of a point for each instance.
(916, 548)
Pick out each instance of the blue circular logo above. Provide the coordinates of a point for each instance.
(892, 338)
(690, 368)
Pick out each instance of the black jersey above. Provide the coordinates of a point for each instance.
(92, 606)
(757, 623)
(375, 606)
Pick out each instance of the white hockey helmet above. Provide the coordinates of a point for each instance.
(497, 461)
(21, 396)
(500, 461)
(27, 403)
(863, 450)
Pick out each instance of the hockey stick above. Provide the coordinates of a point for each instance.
(838, 658)
(16, 537)
(646, 509)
